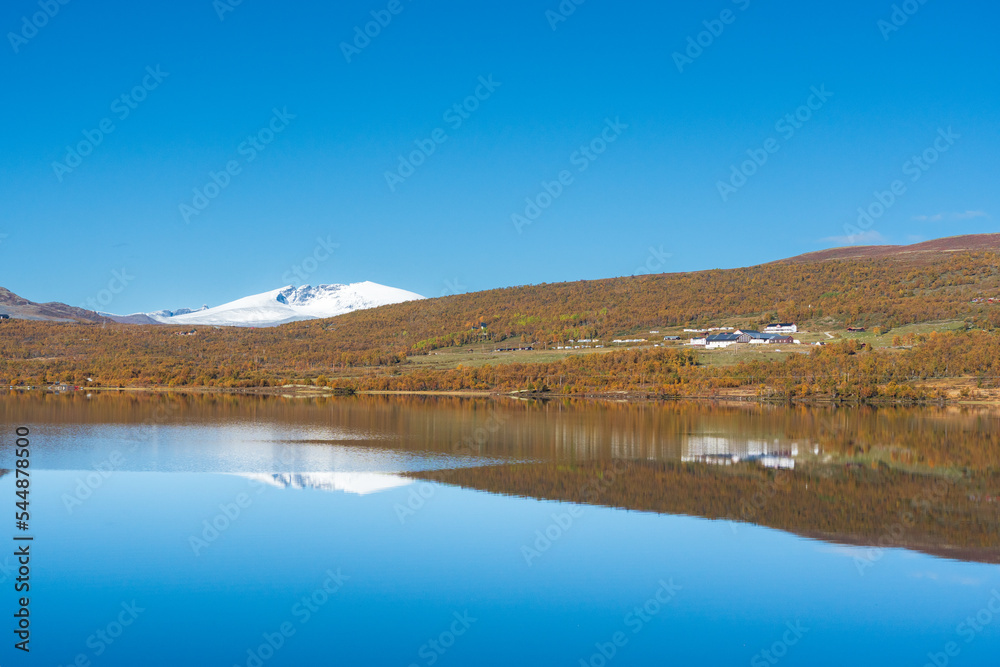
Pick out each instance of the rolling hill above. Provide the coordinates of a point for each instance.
(925, 250)
(906, 284)
(378, 348)
(23, 309)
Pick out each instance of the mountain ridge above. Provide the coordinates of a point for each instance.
(962, 243)
(283, 305)
(20, 308)
(394, 347)
(296, 307)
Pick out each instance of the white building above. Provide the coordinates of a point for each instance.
(784, 327)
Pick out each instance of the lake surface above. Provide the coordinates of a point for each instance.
(226, 531)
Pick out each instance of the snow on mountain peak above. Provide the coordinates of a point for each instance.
(361, 483)
(179, 311)
(291, 303)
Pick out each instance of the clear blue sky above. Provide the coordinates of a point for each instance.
(448, 226)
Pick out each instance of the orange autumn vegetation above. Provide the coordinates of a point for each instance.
(838, 371)
(370, 349)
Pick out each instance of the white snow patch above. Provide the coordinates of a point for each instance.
(290, 304)
(361, 483)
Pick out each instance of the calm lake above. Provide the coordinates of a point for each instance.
(253, 531)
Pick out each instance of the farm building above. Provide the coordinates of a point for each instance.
(770, 339)
(783, 327)
(716, 341)
(739, 336)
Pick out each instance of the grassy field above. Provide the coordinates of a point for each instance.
(885, 339)
(734, 355)
(480, 354)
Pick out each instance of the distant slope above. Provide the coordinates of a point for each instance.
(927, 249)
(157, 317)
(137, 318)
(23, 309)
(291, 304)
(926, 282)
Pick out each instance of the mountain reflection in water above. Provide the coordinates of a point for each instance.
(923, 478)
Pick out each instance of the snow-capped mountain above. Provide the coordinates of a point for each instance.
(361, 483)
(288, 304)
(174, 313)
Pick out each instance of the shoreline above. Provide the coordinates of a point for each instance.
(303, 391)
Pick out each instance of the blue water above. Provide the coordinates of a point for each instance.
(344, 575)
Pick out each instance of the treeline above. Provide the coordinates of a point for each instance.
(849, 370)
(636, 370)
(845, 371)
(33, 353)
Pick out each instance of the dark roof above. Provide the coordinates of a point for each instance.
(723, 338)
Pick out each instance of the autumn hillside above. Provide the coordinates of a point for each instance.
(895, 289)
(950, 279)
